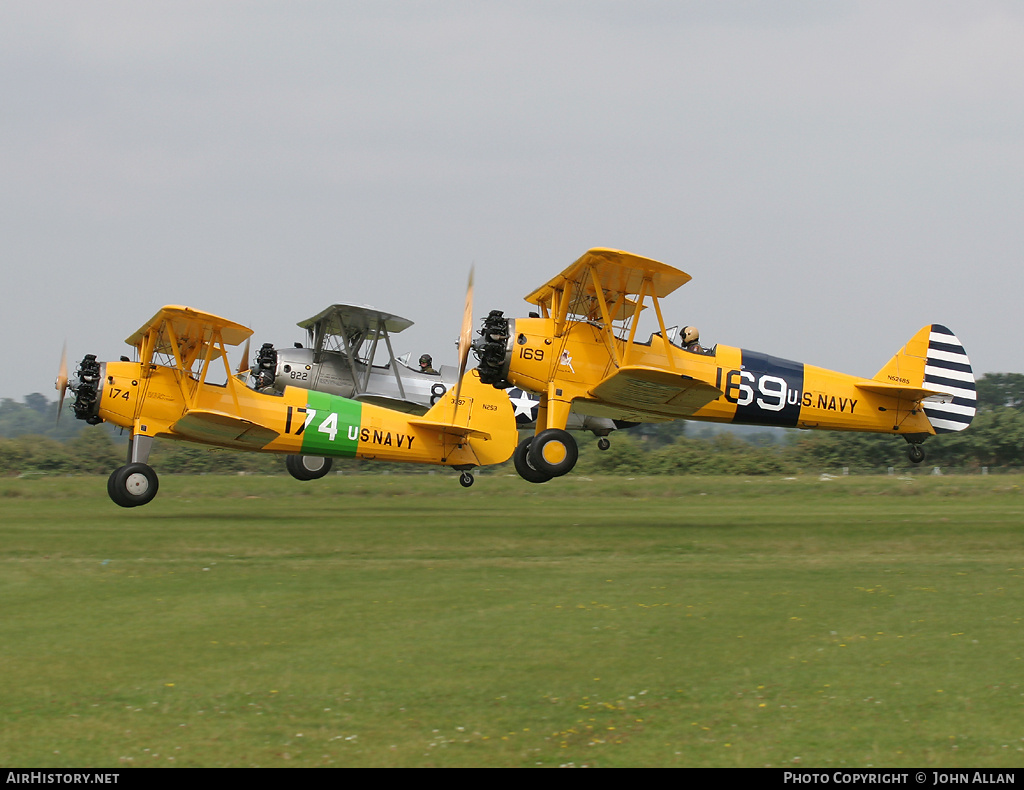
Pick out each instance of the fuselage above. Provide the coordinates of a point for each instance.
(296, 421)
(756, 388)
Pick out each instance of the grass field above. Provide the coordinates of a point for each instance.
(404, 621)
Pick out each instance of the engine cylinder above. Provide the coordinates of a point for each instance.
(493, 349)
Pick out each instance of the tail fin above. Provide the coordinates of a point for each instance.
(484, 417)
(934, 367)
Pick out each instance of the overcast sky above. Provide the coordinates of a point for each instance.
(834, 175)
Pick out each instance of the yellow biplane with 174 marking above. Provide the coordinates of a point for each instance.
(581, 351)
(170, 393)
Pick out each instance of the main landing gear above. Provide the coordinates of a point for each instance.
(308, 467)
(135, 483)
(551, 453)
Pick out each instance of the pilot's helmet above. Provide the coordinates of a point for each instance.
(690, 335)
(425, 361)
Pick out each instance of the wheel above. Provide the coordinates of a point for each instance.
(308, 467)
(133, 485)
(916, 453)
(553, 452)
(603, 443)
(465, 480)
(521, 461)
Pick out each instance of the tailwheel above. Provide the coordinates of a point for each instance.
(465, 480)
(308, 467)
(521, 461)
(133, 485)
(553, 452)
(915, 453)
(603, 443)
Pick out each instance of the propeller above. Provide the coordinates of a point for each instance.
(465, 340)
(61, 384)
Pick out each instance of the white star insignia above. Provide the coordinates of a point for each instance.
(524, 405)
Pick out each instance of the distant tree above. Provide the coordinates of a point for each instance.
(38, 403)
(997, 390)
(37, 415)
(658, 433)
(94, 453)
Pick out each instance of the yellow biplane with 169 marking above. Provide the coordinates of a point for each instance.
(582, 351)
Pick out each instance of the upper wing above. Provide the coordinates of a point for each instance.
(620, 274)
(345, 318)
(189, 331)
(655, 391)
(216, 427)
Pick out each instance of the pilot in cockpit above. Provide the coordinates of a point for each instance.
(689, 340)
(427, 364)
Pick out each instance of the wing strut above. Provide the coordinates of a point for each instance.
(605, 316)
(348, 354)
(664, 333)
(392, 363)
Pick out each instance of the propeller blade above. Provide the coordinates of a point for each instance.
(465, 340)
(61, 384)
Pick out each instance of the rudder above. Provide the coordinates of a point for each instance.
(948, 369)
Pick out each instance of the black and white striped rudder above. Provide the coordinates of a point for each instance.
(948, 370)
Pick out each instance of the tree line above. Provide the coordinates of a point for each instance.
(31, 442)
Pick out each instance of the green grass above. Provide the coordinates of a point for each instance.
(404, 621)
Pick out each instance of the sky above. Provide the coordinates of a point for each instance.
(833, 175)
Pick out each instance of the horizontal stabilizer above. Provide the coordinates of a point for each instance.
(460, 431)
(902, 391)
(655, 389)
(215, 427)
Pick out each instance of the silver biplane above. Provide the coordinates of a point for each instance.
(345, 355)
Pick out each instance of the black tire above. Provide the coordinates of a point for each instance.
(133, 485)
(916, 453)
(308, 467)
(603, 443)
(553, 452)
(521, 461)
(465, 480)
